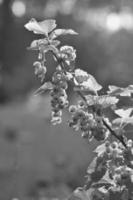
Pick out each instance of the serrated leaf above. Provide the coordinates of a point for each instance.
(43, 27)
(104, 100)
(46, 86)
(58, 32)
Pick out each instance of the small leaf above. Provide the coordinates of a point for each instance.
(43, 27)
(86, 81)
(118, 91)
(92, 84)
(36, 44)
(125, 116)
(46, 86)
(100, 149)
(124, 113)
(58, 32)
(128, 120)
(42, 44)
(80, 194)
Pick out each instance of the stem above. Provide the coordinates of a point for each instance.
(120, 138)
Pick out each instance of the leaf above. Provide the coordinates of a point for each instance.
(46, 86)
(107, 178)
(128, 120)
(118, 91)
(124, 113)
(96, 169)
(43, 27)
(92, 84)
(58, 32)
(104, 100)
(125, 116)
(86, 81)
(100, 149)
(80, 194)
(37, 43)
(92, 166)
(42, 43)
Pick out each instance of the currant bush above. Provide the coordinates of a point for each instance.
(110, 174)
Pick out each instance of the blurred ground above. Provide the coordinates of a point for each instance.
(33, 152)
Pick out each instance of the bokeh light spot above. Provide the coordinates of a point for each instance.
(1, 1)
(113, 22)
(18, 8)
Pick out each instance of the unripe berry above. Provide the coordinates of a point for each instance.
(107, 144)
(114, 145)
(81, 104)
(118, 179)
(72, 109)
(130, 143)
(108, 150)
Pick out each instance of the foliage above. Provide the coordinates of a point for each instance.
(110, 175)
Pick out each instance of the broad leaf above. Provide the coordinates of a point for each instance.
(58, 32)
(43, 27)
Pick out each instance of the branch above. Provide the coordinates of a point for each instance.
(120, 138)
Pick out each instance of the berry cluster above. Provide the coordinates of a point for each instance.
(81, 120)
(90, 125)
(59, 99)
(110, 175)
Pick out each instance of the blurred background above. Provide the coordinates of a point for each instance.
(37, 160)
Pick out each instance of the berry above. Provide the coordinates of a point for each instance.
(114, 145)
(107, 144)
(72, 109)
